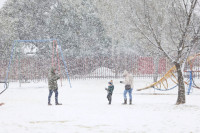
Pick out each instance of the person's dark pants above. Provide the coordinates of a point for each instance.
(50, 94)
(109, 96)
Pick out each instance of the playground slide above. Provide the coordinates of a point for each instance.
(163, 81)
(170, 75)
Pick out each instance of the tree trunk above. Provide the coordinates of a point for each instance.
(156, 63)
(181, 86)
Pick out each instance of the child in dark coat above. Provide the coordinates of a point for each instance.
(110, 91)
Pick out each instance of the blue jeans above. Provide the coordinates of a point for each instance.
(50, 94)
(129, 92)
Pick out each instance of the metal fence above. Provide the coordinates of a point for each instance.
(81, 68)
(113, 67)
(31, 68)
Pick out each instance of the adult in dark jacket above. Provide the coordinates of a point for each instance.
(110, 91)
(53, 86)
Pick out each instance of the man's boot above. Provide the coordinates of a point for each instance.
(125, 101)
(49, 101)
(58, 103)
(56, 99)
(130, 101)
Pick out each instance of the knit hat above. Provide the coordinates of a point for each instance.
(110, 83)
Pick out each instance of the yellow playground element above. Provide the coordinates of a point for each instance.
(170, 75)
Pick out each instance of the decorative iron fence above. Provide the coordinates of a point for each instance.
(31, 68)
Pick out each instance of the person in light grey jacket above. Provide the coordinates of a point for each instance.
(128, 86)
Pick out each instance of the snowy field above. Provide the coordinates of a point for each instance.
(85, 109)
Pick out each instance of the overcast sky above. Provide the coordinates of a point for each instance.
(1, 3)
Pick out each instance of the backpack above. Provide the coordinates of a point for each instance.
(127, 87)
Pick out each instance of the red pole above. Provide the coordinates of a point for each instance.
(58, 63)
(53, 55)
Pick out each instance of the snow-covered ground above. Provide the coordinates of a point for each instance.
(85, 109)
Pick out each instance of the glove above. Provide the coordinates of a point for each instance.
(106, 89)
(121, 81)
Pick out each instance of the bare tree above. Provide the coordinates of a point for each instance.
(172, 28)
